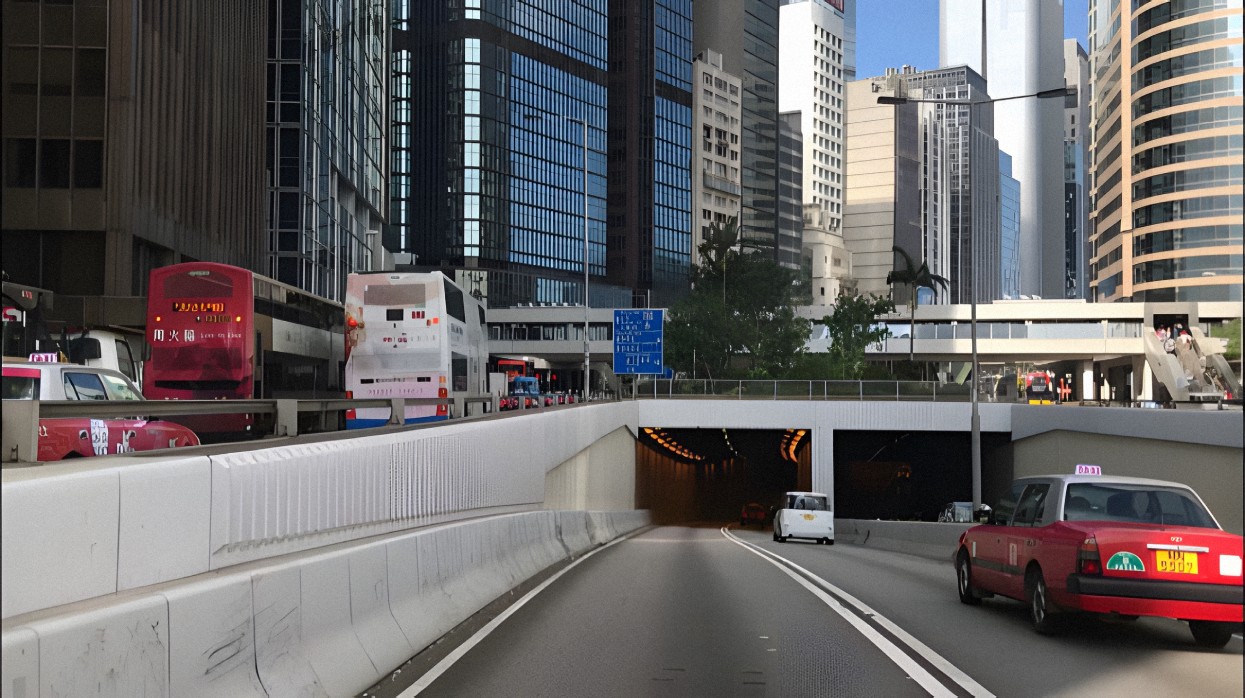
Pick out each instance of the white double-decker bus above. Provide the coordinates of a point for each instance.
(412, 335)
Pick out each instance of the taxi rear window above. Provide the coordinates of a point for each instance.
(1168, 506)
(20, 387)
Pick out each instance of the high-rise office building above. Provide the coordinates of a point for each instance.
(1009, 229)
(110, 172)
(959, 186)
(956, 189)
(1166, 156)
(489, 155)
(849, 38)
(489, 159)
(746, 32)
(649, 224)
(882, 201)
(327, 148)
(790, 177)
(1016, 47)
(811, 79)
(1075, 158)
(716, 184)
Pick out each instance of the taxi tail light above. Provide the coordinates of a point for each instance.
(1087, 558)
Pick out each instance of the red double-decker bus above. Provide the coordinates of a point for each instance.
(220, 332)
(201, 329)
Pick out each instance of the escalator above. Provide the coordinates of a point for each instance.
(1193, 369)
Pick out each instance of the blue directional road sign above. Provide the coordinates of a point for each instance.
(638, 341)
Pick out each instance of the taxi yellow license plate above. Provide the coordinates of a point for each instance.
(1176, 562)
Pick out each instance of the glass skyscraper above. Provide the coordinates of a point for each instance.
(327, 112)
(1016, 46)
(650, 188)
(490, 99)
(959, 214)
(1009, 229)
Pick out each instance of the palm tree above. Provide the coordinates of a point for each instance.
(914, 277)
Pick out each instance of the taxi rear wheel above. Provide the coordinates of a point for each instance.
(1040, 614)
(1209, 633)
(964, 580)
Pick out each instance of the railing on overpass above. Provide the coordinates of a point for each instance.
(21, 417)
(646, 388)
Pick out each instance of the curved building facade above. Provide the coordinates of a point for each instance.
(1166, 154)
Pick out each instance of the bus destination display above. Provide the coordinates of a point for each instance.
(198, 307)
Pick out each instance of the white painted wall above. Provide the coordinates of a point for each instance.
(136, 521)
(598, 478)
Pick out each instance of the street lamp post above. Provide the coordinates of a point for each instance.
(975, 420)
(587, 348)
(587, 352)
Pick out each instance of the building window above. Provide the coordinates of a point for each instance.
(54, 163)
(88, 164)
(19, 168)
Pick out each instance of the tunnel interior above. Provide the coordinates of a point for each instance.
(709, 474)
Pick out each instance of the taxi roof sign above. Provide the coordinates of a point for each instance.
(47, 357)
(1088, 469)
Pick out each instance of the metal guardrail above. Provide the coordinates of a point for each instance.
(19, 442)
(930, 391)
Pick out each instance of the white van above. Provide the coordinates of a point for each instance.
(105, 349)
(804, 515)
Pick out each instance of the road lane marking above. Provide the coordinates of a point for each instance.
(452, 658)
(891, 650)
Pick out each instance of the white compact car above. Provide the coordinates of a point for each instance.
(804, 515)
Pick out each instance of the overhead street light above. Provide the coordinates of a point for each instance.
(1066, 91)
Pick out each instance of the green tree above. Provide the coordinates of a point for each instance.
(1230, 330)
(740, 318)
(852, 328)
(761, 298)
(914, 277)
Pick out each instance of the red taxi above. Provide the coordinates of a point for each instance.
(1119, 546)
(71, 437)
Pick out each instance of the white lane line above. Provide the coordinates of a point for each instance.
(442, 666)
(946, 667)
(890, 649)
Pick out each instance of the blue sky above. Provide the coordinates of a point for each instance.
(891, 33)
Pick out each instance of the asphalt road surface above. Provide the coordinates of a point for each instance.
(708, 611)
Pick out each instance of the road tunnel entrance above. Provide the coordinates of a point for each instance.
(710, 474)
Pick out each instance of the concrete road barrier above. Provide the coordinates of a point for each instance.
(932, 540)
(327, 622)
